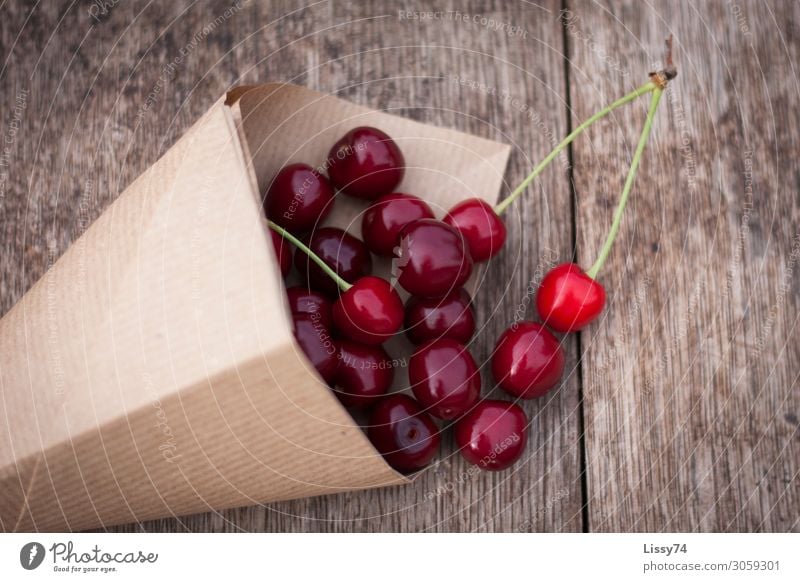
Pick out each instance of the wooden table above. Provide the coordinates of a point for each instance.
(679, 410)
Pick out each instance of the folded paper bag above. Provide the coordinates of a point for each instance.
(152, 371)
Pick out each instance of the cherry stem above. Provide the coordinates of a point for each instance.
(343, 285)
(646, 88)
(626, 190)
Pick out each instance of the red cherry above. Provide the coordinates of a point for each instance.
(430, 318)
(299, 198)
(365, 373)
(405, 435)
(480, 226)
(344, 253)
(386, 217)
(317, 344)
(444, 378)
(283, 251)
(527, 361)
(366, 163)
(568, 299)
(370, 312)
(311, 303)
(433, 258)
(493, 434)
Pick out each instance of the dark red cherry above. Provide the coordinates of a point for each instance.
(493, 434)
(370, 312)
(568, 299)
(430, 318)
(366, 163)
(344, 253)
(406, 436)
(444, 378)
(480, 226)
(318, 346)
(387, 216)
(308, 302)
(433, 259)
(528, 360)
(299, 198)
(365, 373)
(283, 250)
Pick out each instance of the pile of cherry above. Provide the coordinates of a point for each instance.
(344, 314)
(340, 326)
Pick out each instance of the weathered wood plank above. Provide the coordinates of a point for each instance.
(105, 98)
(691, 379)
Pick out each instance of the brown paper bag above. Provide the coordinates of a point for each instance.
(152, 371)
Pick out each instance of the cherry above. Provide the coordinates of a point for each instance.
(480, 226)
(444, 378)
(299, 198)
(283, 252)
(493, 434)
(344, 253)
(403, 433)
(430, 318)
(366, 163)
(365, 373)
(568, 299)
(527, 361)
(369, 312)
(308, 302)
(433, 258)
(387, 216)
(316, 343)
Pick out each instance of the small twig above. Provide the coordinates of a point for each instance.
(669, 72)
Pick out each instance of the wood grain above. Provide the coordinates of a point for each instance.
(690, 380)
(689, 426)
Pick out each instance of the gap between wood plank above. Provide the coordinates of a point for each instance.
(573, 207)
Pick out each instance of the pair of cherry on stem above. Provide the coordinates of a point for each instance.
(437, 256)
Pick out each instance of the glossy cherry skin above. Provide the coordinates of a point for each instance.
(433, 259)
(406, 436)
(444, 378)
(318, 346)
(370, 312)
(481, 227)
(344, 253)
(568, 299)
(387, 216)
(365, 374)
(493, 434)
(308, 302)
(429, 318)
(366, 163)
(528, 360)
(283, 251)
(299, 198)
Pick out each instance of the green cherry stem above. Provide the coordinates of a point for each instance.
(626, 190)
(343, 285)
(646, 88)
